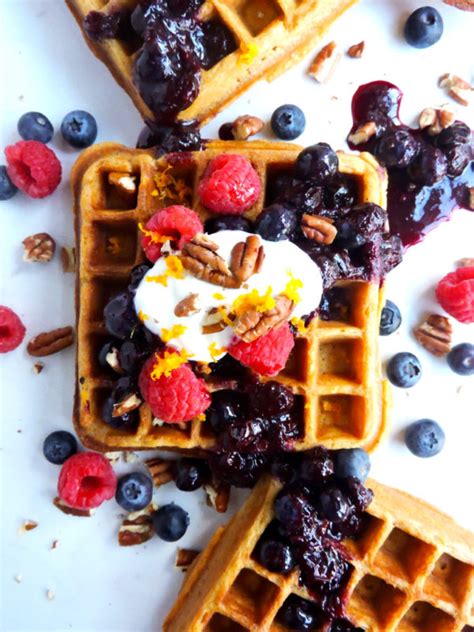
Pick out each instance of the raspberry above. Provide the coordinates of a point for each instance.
(268, 354)
(33, 168)
(230, 185)
(12, 330)
(176, 222)
(86, 480)
(455, 294)
(176, 397)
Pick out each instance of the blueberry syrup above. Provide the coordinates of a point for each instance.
(429, 176)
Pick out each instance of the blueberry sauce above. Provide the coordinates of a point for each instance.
(429, 175)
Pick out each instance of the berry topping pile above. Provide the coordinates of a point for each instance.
(33, 168)
(177, 224)
(86, 480)
(455, 294)
(12, 330)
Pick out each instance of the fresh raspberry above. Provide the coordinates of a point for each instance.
(174, 398)
(455, 294)
(230, 185)
(12, 330)
(176, 222)
(268, 354)
(33, 168)
(86, 480)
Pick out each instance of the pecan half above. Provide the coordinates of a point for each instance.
(199, 256)
(253, 324)
(245, 126)
(187, 306)
(50, 342)
(38, 248)
(324, 64)
(185, 557)
(356, 50)
(464, 5)
(71, 511)
(137, 527)
(458, 89)
(126, 405)
(363, 133)
(247, 258)
(160, 470)
(434, 334)
(319, 229)
(217, 495)
(435, 120)
(68, 259)
(125, 185)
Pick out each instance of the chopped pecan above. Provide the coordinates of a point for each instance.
(68, 258)
(325, 62)
(199, 256)
(434, 334)
(187, 306)
(458, 89)
(363, 133)
(464, 5)
(245, 126)
(71, 511)
(126, 405)
(50, 342)
(54, 544)
(217, 495)
(216, 383)
(38, 248)
(160, 470)
(435, 120)
(471, 198)
(213, 322)
(38, 367)
(465, 262)
(185, 557)
(247, 258)
(28, 525)
(137, 527)
(253, 324)
(356, 50)
(113, 457)
(112, 359)
(125, 185)
(319, 229)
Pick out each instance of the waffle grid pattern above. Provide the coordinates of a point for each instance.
(413, 571)
(335, 366)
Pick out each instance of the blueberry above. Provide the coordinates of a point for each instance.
(390, 319)
(429, 167)
(288, 122)
(79, 129)
(271, 398)
(225, 408)
(35, 126)
(226, 131)
(189, 474)
(170, 522)
(227, 222)
(318, 162)
(59, 446)
(124, 386)
(137, 274)
(424, 438)
(354, 462)
(404, 370)
(276, 223)
(424, 27)
(276, 556)
(461, 359)
(300, 614)
(340, 194)
(360, 225)
(397, 148)
(343, 625)
(235, 468)
(457, 157)
(120, 316)
(290, 508)
(7, 188)
(316, 466)
(456, 134)
(333, 504)
(134, 491)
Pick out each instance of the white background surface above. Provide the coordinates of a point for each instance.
(45, 66)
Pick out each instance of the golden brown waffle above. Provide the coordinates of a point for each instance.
(413, 572)
(280, 32)
(334, 367)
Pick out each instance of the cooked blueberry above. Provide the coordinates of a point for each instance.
(343, 625)
(218, 42)
(461, 359)
(340, 194)
(360, 496)
(316, 466)
(353, 462)
(137, 274)
(424, 438)
(7, 188)
(134, 491)
(429, 167)
(170, 522)
(318, 162)
(226, 132)
(235, 468)
(120, 316)
(290, 508)
(109, 357)
(404, 370)
(299, 614)
(227, 222)
(390, 319)
(424, 27)
(276, 556)
(271, 398)
(397, 148)
(35, 126)
(59, 446)
(79, 129)
(304, 196)
(335, 305)
(456, 134)
(226, 408)
(458, 157)
(131, 357)
(276, 223)
(288, 122)
(333, 504)
(360, 225)
(177, 136)
(100, 25)
(189, 474)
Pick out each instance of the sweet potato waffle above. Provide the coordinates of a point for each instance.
(270, 37)
(334, 367)
(413, 571)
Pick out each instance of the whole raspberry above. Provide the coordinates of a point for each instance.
(86, 480)
(455, 294)
(176, 397)
(12, 330)
(268, 354)
(33, 168)
(177, 223)
(230, 185)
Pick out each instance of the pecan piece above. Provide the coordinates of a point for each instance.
(356, 50)
(38, 248)
(245, 126)
(363, 133)
(51, 342)
(137, 527)
(217, 495)
(435, 120)
(160, 470)
(458, 89)
(125, 185)
(187, 306)
(464, 5)
(38, 367)
(325, 62)
(319, 229)
(213, 322)
(68, 259)
(465, 262)
(199, 256)
(434, 334)
(471, 198)
(28, 525)
(253, 324)
(126, 405)
(185, 557)
(247, 258)
(71, 511)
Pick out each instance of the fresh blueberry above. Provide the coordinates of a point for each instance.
(120, 316)
(429, 167)
(276, 556)
(170, 522)
(404, 370)
(424, 438)
(461, 359)
(35, 126)
(134, 491)
(390, 319)
(354, 462)
(59, 446)
(299, 614)
(189, 474)
(276, 223)
(7, 188)
(79, 129)
(288, 122)
(424, 27)
(333, 504)
(318, 162)
(397, 148)
(227, 222)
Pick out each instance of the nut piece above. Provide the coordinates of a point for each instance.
(465, 262)
(213, 322)
(51, 342)
(185, 557)
(464, 5)
(28, 525)
(319, 229)
(356, 50)
(435, 120)
(253, 324)
(71, 511)
(199, 256)
(458, 89)
(125, 185)
(187, 306)
(471, 198)
(434, 334)
(324, 65)
(126, 405)
(38, 248)
(245, 126)
(247, 258)
(38, 367)
(112, 359)
(137, 527)
(217, 495)
(68, 259)
(363, 133)
(160, 470)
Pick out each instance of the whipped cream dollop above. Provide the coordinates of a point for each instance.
(286, 268)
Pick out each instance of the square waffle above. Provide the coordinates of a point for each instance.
(278, 32)
(413, 571)
(334, 367)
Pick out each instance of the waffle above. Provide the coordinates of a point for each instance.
(334, 366)
(281, 32)
(413, 572)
